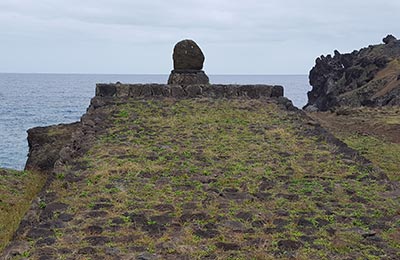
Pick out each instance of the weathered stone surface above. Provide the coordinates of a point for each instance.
(246, 216)
(188, 78)
(160, 90)
(65, 217)
(16, 250)
(39, 233)
(289, 245)
(185, 91)
(188, 64)
(389, 39)
(87, 251)
(235, 226)
(277, 91)
(105, 90)
(49, 210)
(177, 91)
(45, 144)
(146, 256)
(188, 56)
(208, 233)
(94, 230)
(368, 77)
(46, 241)
(194, 216)
(194, 91)
(97, 240)
(227, 246)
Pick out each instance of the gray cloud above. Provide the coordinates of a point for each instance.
(125, 36)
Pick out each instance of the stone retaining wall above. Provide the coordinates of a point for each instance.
(191, 91)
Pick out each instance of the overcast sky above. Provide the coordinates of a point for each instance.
(236, 36)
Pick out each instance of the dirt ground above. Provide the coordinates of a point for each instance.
(382, 123)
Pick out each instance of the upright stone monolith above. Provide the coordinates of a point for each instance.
(188, 64)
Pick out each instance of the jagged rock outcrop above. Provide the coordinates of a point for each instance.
(368, 77)
(188, 64)
(389, 39)
(45, 144)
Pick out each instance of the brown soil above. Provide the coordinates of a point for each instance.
(382, 123)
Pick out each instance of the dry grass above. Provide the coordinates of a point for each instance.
(17, 190)
(374, 132)
(390, 75)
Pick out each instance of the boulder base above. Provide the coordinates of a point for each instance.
(188, 78)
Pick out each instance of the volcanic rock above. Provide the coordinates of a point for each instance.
(188, 56)
(188, 78)
(188, 64)
(45, 144)
(389, 39)
(368, 77)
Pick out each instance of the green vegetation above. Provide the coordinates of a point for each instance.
(382, 153)
(17, 190)
(374, 132)
(217, 179)
(234, 179)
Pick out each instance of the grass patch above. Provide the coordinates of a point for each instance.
(374, 132)
(386, 155)
(17, 190)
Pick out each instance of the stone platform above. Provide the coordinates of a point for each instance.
(190, 91)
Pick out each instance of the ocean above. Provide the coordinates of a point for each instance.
(30, 100)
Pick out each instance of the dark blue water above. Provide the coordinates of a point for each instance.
(29, 100)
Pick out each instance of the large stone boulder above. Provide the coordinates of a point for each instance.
(188, 56)
(188, 64)
(368, 77)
